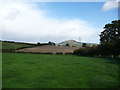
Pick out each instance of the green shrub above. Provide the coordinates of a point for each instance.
(88, 51)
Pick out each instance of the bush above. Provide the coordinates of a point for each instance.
(104, 50)
(84, 45)
(67, 44)
(86, 51)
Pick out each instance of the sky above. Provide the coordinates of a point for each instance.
(55, 21)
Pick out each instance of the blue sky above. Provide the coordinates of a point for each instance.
(55, 21)
(88, 11)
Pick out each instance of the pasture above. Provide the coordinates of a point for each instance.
(13, 45)
(58, 71)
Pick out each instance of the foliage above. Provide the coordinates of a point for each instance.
(51, 43)
(84, 45)
(111, 32)
(88, 51)
(110, 39)
(110, 42)
(67, 44)
(38, 43)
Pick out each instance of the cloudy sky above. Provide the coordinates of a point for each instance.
(55, 21)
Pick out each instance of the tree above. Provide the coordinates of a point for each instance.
(110, 42)
(110, 38)
(51, 43)
(67, 44)
(38, 43)
(84, 45)
(111, 32)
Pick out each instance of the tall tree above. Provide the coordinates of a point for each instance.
(110, 38)
(111, 32)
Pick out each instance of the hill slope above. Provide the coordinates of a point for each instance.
(13, 45)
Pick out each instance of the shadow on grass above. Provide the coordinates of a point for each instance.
(103, 82)
(113, 60)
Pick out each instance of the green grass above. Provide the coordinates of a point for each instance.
(57, 71)
(8, 45)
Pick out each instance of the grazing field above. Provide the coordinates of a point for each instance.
(49, 49)
(11, 45)
(57, 71)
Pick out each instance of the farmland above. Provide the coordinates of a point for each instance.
(58, 71)
(49, 49)
(13, 45)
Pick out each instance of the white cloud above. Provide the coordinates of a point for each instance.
(109, 5)
(26, 22)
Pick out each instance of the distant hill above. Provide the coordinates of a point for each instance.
(74, 43)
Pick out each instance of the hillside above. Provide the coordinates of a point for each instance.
(13, 45)
(74, 43)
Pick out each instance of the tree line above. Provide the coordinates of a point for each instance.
(109, 42)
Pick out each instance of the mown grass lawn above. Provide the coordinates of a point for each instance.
(57, 71)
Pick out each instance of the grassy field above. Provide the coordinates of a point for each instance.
(8, 45)
(57, 71)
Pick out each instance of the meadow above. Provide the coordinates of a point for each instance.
(58, 71)
(12, 45)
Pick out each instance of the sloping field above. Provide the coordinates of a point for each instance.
(11, 45)
(49, 49)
